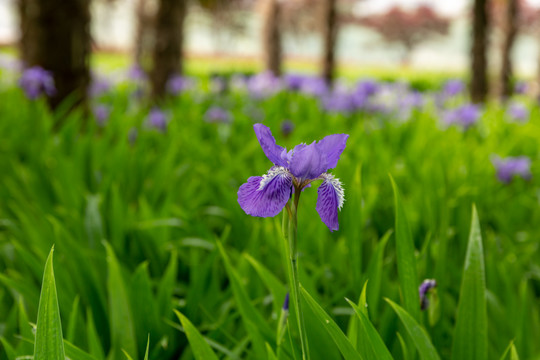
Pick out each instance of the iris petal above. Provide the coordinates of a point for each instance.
(265, 196)
(268, 144)
(332, 146)
(308, 162)
(330, 199)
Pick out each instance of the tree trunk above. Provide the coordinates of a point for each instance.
(22, 8)
(479, 81)
(272, 37)
(58, 39)
(329, 40)
(144, 38)
(168, 47)
(506, 86)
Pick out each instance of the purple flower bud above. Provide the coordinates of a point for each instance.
(132, 135)
(217, 115)
(509, 167)
(286, 303)
(287, 126)
(157, 119)
(517, 112)
(423, 290)
(101, 113)
(36, 81)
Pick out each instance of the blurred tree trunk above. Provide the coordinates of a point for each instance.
(510, 32)
(272, 37)
(57, 38)
(143, 33)
(22, 8)
(169, 43)
(479, 81)
(329, 40)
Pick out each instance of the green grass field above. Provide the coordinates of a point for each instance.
(151, 247)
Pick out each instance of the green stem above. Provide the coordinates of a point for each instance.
(295, 284)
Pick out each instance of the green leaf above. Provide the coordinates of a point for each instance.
(201, 349)
(256, 325)
(406, 261)
(72, 323)
(470, 334)
(373, 345)
(10, 351)
(270, 352)
(49, 344)
(94, 344)
(74, 353)
(511, 348)
(326, 322)
(416, 332)
(147, 348)
(122, 329)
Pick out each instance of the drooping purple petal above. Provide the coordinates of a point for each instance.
(330, 199)
(308, 161)
(266, 196)
(272, 151)
(332, 146)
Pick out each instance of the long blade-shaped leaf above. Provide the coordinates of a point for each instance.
(470, 334)
(406, 262)
(201, 349)
(417, 333)
(372, 342)
(122, 329)
(49, 343)
(325, 321)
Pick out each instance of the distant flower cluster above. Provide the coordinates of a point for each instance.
(510, 167)
(36, 81)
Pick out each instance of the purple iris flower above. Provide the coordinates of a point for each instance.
(517, 112)
(36, 81)
(136, 73)
(314, 86)
(339, 102)
(465, 116)
(509, 167)
(218, 115)
(367, 87)
(101, 113)
(294, 81)
(287, 127)
(423, 291)
(178, 84)
(267, 195)
(157, 119)
(453, 87)
(521, 87)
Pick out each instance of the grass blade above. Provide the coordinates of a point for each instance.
(372, 344)
(406, 261)
(470, 334)
(49, 343)
(201, 349)
(416, 332)
(326, 322)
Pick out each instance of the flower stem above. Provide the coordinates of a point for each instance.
(294, 283)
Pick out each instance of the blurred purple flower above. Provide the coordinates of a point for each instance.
(36, 81)
(509, 167)
(453, 87)
(294, 170)
(218, 115)
(294, 82)
(367, 87)
(521, 87)
(101, 113)
(132, 135)
(136, 73)
(263, 85)
(178, 84)
(314, 86)
(423, 291)
(157, 119)
(98, 86)
(287, 127)
(517, 112)
(338, 102)
(465, 116)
